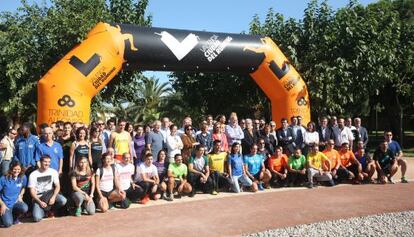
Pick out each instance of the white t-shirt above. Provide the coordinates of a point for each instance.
(125, 175)
(151, 171)
(43, 181)
(106, 183)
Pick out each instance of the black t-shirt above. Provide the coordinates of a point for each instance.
(384, 158)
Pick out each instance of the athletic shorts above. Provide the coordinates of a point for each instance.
(386, 169)
(257, 176)
(106, 194)
(354, 169)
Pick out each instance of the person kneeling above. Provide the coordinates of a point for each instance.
(177, 178)
(147, 178)
(199, 172)
(107, 184)
(132, 191)
(296, 168)
(83, 186)
(278, 167)
(385, 163)
(315, 170)
(255, 169)
(12, 187)
(44, 188)
(350, 167)
(237, 170)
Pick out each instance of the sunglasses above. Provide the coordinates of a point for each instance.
(100, 124)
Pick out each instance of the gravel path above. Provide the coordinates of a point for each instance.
(390, 224)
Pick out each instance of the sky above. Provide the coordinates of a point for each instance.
(230, 16)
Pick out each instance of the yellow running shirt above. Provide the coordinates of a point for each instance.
(121, 143)
(216, 161)
(317, 159)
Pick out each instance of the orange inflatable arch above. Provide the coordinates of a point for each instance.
(65, 92)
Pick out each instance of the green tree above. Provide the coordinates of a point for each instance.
(37, 36)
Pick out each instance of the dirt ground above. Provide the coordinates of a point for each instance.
(230, 214)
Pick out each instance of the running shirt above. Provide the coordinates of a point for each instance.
(199, 164)
(96, 153)
(125, 174)
(161, 168)
(66, 144)
(333, 156)
(139, 145)
(43, 181)
(346, 158)
(363, 159)
(384, 158)
(106, 183)
(80, 151)
(297, 163)
(83, 182)
(317, 159)
(216, 161)
(121, 142)
(150, 171)
(10, 189)
(394, 147)
(178, 170)
(236, 163)
(254, 163)
(278, 163)
(54, 151)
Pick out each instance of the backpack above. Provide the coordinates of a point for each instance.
(101, 171)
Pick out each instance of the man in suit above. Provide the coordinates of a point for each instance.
(363, 133)
(251, 137)
(325, 133)
(286, 137)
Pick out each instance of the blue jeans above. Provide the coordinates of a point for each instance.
(5, 166)
(244, 180)
(14, 212)
(39, 213)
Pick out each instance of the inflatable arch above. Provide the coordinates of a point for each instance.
(65, 92)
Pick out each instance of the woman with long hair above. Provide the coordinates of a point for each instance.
(162, 165)
(219, 134)
(107, 184)
(96, 144)
(12, 187)
(189, 143)
(310, 137)
(80, 147)
(83, 186)
(237, 170)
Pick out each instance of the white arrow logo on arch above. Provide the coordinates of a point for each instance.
(180, 50)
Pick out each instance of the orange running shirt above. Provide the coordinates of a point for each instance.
(346, 158)
(278, 164)
(333, 156)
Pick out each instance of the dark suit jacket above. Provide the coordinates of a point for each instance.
(363, 135)
(271, 143)
(285, 140)
(328, 134)
(248, 140)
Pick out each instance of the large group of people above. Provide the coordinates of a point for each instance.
(75, 168)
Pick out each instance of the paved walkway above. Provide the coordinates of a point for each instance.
(231, 214)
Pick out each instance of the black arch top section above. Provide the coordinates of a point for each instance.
(185, 50)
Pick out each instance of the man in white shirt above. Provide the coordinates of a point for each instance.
(44, 188)
(234, 132)
(345, 135)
